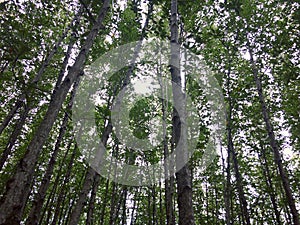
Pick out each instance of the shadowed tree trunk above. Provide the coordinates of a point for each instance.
(90, 213)
(269, 184)
(88, 183)
(227, 191)
(273, 143)
(239, 181)
(35, 211)
(62, 193)
(18, 187)
(33, 83)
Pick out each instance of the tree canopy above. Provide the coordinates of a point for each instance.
(251, 50)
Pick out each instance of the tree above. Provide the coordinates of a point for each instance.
(252, 49)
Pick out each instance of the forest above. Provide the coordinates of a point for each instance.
(150, 112)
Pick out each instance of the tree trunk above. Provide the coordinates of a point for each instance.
(269, 184)
(241, 193)
(44, 65)
(272, 140)
(14, 136)
(28, 107)
(113, 204)
(62, 193)
(11, 113)
(231, 152)
(88, 182)
(36, 208)
(227, 191)
(18, 187)
(90, 213)
(183, 176)
(169, 181)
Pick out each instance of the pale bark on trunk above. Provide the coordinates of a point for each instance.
(18, 187)
(183, 176)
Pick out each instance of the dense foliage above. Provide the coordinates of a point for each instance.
(253, 49)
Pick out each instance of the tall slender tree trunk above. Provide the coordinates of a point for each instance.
(36, 79)
(18, 187)
(103, 206)
(11, 113)
(227, 188)
(135, 206)
(183, 176)
(269, 184)
(227, 168)
(88, 182)
(169, 181)
(75, 215)
(231, 152)
(29, 106)
(273, 143)
(62, 193)
(113, 204)
(90, 213)
(35, 211)
(239, 182)
(14, 136)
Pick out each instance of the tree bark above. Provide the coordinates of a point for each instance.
(90, 213)
(269, 184)
(169, 181)
(18, 187)
(183, 176)
(239, 181)
(87, 184)
(35, 211)
(231, 152)
(14, 136)
(272, 140)
(40, 72)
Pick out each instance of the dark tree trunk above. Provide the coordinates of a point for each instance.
(90, 213)
(88, 183)
(239, 181)
(113, 204)
(14, 136)
(36, 208)
(37, 78)
(62, 192)
(18, 187)
(269, 184)
(11, 113)
(231, 152)
(169, 181)
(273, 143)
